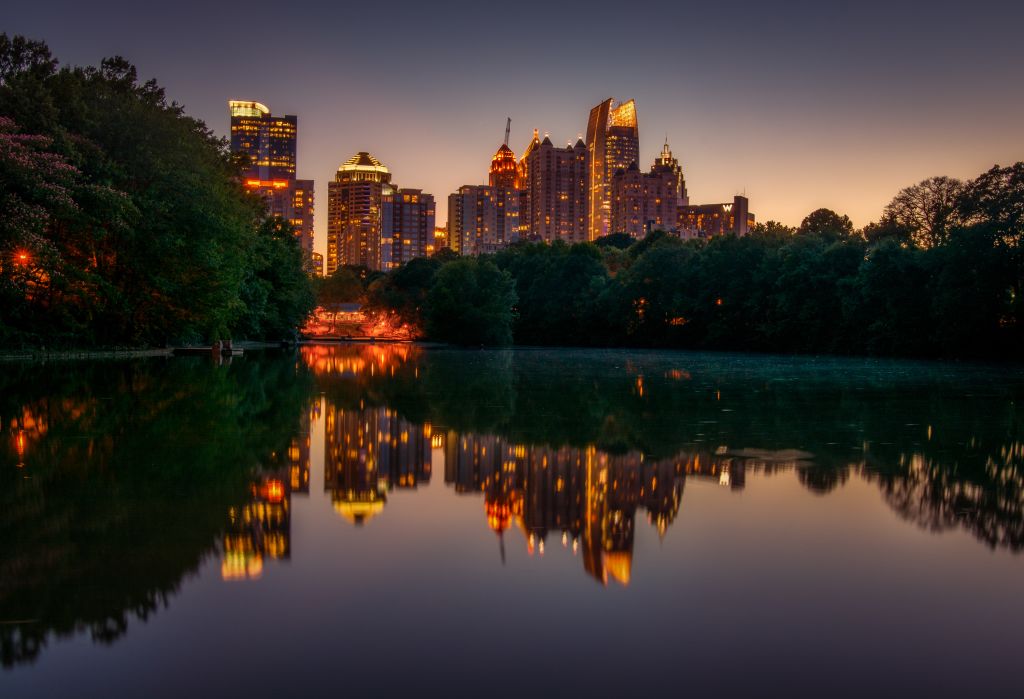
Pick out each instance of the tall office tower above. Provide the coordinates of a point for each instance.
(707, 220)
(554, 191)
(354, 202)
(269, 141)
(644, 201)
(613, 143)
(407, 226)
(270, 144)
(482, 219)
(665, 163)
(504, 171)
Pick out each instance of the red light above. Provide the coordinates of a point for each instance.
(274, 491)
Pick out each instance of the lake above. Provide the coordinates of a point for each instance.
(390, 519)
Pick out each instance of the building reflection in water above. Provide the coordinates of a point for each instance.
(368, 453)
(260, 529)
(586, 497)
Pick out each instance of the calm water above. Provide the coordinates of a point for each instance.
(389, 519)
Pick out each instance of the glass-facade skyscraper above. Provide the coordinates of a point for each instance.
(268, 141)
(269, 144)
(613, 143)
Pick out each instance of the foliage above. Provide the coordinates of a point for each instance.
(827, 224)
(823, 288)
(130, 215)
(928, 211)
(470, 303)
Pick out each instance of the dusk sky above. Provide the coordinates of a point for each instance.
(799, 104)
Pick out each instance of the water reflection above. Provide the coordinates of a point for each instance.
(120, 479)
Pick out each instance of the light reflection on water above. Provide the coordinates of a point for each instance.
(135, 490)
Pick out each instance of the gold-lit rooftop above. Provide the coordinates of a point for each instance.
(244, 108)
(363, 162)
(623, 115)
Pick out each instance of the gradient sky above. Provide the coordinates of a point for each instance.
(799, 104)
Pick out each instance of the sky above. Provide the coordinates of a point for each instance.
(800, 105)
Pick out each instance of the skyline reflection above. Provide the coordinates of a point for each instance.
(592, 457)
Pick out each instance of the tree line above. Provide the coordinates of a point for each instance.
(124, 220)
(939, 276)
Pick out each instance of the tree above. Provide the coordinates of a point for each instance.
(771, 229)
(827, 224)
(158, 242)
(996, 198)
(927, 210)
(404, 291)
(471, 303)
(615, 240)
(19, 56)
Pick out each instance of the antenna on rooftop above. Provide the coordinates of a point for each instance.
(508, 129)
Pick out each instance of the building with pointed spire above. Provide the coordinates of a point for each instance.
(486, 218)
(643, 202)
(613, 144)
(504, 172)
(665, 163)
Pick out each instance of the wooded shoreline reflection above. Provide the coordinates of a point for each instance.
(121, 478)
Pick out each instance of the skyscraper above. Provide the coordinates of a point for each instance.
(648, 201)
(665, 163)
(407, 226)
(269, 145)
(482, 219)
(268, 141)
(643, 202)
(613, 143)
(504, 171)
(554, 191)
(354, 201)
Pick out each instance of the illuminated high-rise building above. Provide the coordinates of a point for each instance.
(268, 141)
(648, 201)
(666, 164)
(504, 172)
(554, 191)
(482, 219)
(643, 202)
(407, 226)
(269, 145)
(354, 201)
(613, 143)
(707, 220)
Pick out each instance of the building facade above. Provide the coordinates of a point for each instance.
(504, 172)
(354, 221)
(666, 164)
(648, 201)
(269, 145)
(482, 219)
(407, 226)
(553, 195)
(613, 144)
(707, 220)
(643, 202)
(267, 141)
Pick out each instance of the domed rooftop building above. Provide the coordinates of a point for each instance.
(363, 167)
(354, 201)
(504, 171)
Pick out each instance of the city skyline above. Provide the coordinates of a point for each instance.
(798, 109)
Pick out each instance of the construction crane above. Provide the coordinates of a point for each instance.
(508, 128)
